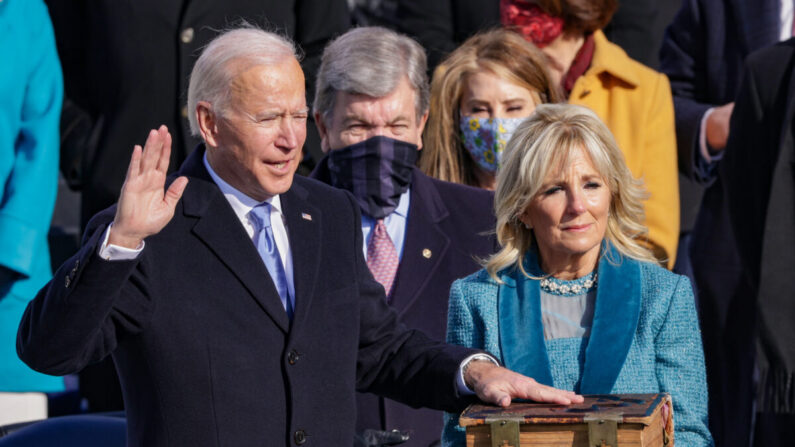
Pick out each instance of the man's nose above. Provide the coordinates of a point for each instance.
(376, 131)
(290, 130)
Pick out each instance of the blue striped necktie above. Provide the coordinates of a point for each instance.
(269, 252)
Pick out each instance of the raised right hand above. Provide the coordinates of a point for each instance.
(144, 207)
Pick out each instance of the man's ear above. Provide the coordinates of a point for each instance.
(208, 123)
(420, 128)
(322, 130)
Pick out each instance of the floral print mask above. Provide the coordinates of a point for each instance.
(485, 138)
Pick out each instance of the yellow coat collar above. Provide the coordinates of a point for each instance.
(611, 59)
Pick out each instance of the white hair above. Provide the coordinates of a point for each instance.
(224, 58)
(371, 61)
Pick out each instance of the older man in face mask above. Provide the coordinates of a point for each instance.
(420, 233)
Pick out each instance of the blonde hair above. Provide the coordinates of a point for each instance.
(543, 142)
(500, 51)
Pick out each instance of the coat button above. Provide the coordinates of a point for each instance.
(299, 437)
(292, 357)
(186, 36)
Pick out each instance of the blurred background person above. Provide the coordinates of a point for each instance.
(126, 68)
(479, 95)
(572, 298)
(440, 26)
(32, 92)
(419, 233)
(702, 54)
(759, 158)
(633, 101)
(638, 27)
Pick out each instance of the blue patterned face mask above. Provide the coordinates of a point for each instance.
(485, 138)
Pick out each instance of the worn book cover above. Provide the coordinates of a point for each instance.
(614, 420)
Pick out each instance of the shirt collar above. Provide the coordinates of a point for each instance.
(403, 206)
(241, 203)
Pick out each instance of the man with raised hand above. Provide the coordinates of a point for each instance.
(235, 300)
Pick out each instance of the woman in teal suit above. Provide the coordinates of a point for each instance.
(572, 299)
(31, 88)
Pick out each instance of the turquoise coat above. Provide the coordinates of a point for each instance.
(644, 339)
(31, 88)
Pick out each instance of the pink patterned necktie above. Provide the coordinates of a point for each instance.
(382, 257)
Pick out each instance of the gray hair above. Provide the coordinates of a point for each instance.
(544, 141)
(226, 57)
(371, 61)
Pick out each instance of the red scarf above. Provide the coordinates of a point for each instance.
(531, 21)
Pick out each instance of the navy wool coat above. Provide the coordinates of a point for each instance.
(205, 351)
(449, 227)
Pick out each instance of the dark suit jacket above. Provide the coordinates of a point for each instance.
(448, 226)
(702, 54)
(204, 349)
(127, 64)
(442, 25)
(760, 198)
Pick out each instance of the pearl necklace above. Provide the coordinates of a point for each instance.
(575, 287)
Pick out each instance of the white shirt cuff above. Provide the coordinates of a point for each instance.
(463, 389)
(702, 136)
(110, 252)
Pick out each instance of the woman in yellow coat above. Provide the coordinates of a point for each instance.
(634, 101)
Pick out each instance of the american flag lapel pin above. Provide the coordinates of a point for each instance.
(306, 216)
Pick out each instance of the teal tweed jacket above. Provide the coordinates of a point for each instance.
(645, 337)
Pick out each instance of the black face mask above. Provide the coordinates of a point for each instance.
(377, 171)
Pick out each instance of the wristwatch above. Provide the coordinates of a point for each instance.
(475, 357)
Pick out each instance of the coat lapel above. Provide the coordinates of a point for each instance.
(218, 227)
(615, 321)
(425, 243)
(303, 224)
(521, 328)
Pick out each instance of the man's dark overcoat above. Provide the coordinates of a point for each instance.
(449, 227)
(204, 348)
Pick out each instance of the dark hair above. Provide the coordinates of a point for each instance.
(580, 16)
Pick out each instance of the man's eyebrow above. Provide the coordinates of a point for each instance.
(280, 112)
(400, 119)
(353, 117)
